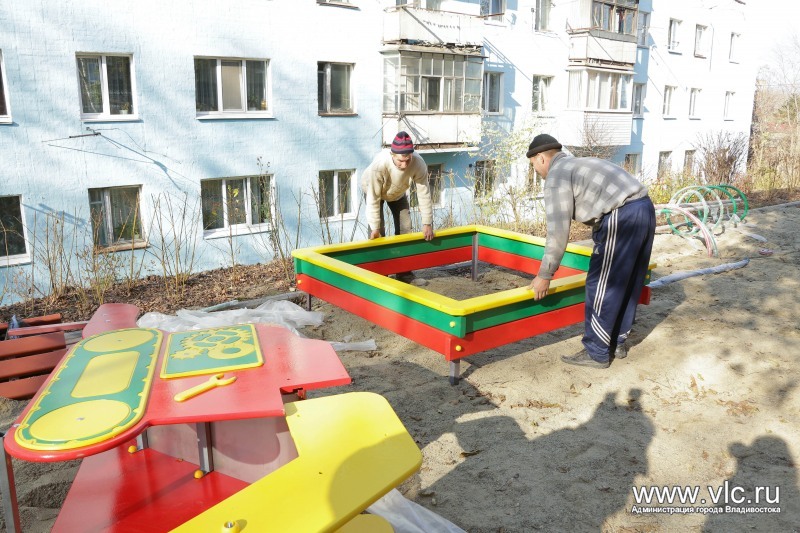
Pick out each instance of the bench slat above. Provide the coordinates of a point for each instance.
(46, 328)
(31, 364)
(46, 342)
(22, 389)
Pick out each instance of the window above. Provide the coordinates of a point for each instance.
(672, 37)
(688, 161)
(493, 9)
(575, 89)
(435, 173)
(700, 38)
(484, 178)
(116, 219)
(106, 86)
(5, 112)
(427, 82)
(334, 2)
(491, 92)
(335, 193)
(541, 94)
(333, 88)
(618, 16)
(667, 109)
(663, 163)
(694, 96)
(231, 86)
(542, 15)
(642, 27)
(13, 245)
(608, 90)
(633, 164)
(733, 54)
(236, 205)
(727, 112)
(638, 99)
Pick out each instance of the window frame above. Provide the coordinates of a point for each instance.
(540, 93)
(25, 257)
(498, 90)
(435, 180)
(664, 163)
(324, 107)
(106, 115)
(673, 32)
(689, 160)
(248, 227)
(638, 92)
(350, 214)
(634, 169)
(138, 240)
(220, 112)
(728, 104)
(642, 28)
(613, 16)
(402, 82)
(694, 98)
(484, 169)
(669, 94)
(541, 18)
(621, 88)
(700, 41)
(5, 118)
(488, 11)
(733, 47)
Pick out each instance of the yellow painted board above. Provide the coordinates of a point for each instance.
(352, 449)
(211, 351)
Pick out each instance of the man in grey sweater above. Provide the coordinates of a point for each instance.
(387, 179)
(600, 194)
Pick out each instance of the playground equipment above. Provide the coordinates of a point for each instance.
(354, 276)
(700, 210)
(245, 452)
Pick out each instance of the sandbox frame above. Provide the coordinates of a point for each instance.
(354, 276)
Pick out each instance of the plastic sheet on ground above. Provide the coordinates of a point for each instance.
(409, 517)
(278, 312)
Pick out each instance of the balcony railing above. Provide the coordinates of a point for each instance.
(414, 25)
(594, 47)
(436, 130)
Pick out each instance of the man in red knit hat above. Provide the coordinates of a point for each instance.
(387, 179)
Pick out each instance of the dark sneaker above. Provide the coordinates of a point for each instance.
(405, 277)
(621, 351)
(582, 358)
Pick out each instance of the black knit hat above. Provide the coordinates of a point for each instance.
(402, 143)
(542, 143)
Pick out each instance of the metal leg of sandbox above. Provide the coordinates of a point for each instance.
(308, 301)
(475, 257)
(455, 372)
(8, 490)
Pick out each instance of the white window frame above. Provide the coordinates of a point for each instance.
(324, 107)
(107, 114)
(493, 10)
(672, 35)
(339, 3)
(727, 109)
(612, 16)
(694, 102)
(617, 88)
(107, 219)
(664, 163)
(5, 118)
(540, 94)
(25, 257)
(434, 187)
(487, 167)
(669, 96)
(221, 113)
(701, 41)
(733, 52)
(637, 99)
(492, 86)
(247, 227)
(459, 92)
(337, 214)
(541, 19)
(689, 160)
(642, 28)
(633, 163)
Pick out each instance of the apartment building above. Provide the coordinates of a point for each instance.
(203, 133)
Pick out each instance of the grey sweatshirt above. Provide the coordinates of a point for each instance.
(582, 189)
(382, 180)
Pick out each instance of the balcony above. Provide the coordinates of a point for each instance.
(441, 131)
(417, 26)
(597, 47)
(597, 128)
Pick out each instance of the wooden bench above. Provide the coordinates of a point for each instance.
(352, 449)
(33, 321)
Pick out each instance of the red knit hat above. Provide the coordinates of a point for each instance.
(402, 143)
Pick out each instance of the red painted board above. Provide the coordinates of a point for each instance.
(418, 262)
(46, 328)
(22, 389)
(46, 342)
(523, 264)
(647, 292)
(120, 492)
(109, 317)
(31, 364)
(290, 363)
